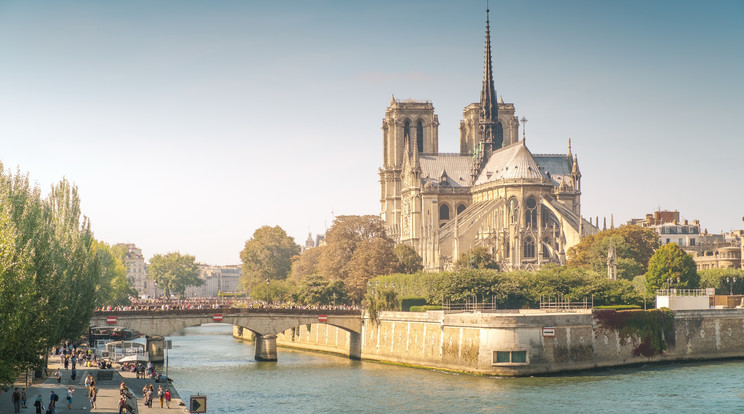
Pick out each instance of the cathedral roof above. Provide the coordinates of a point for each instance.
(455, 166)
(556, 166)
(513, 162)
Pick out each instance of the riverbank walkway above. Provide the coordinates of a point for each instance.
(107, 401)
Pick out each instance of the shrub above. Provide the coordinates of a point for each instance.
(425, 308)
(407, 303)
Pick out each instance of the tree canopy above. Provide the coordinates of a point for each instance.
(410, 261)
(267, 255)
(174, 272)
(114, 288)
(634, 246)
(671, 266)
(476, 258)
(48, 271)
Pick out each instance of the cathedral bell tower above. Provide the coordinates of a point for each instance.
(404, 120)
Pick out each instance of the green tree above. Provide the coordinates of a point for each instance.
(634, 246)
(379, 300)
(371, 258)
(671, 266)
(476, 258)
(267, 255)
(410, 261)
(316, 290)
(174, 272)
(725, 281)
(114, 288)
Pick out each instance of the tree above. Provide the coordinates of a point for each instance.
(476, 258)
(114, 288)
(174, 272)
(373, 257)
(306, 264)
(410, 261)
(267, 255)
(671, 266)
(316, 290)
(725, 281)
(343, 239)
(634, 246)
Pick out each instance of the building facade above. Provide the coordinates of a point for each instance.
(495, 193)
(137, 272)
(217, 279)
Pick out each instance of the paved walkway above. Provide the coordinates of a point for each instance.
(108, 393)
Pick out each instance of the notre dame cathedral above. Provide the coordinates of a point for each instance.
(524, 208)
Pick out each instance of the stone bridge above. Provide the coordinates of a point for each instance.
(264, 323)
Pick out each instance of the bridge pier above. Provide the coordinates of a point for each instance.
(265, 347)
(355, 345)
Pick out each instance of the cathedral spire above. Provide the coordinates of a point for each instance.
(491, 134)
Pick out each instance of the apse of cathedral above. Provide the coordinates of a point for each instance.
(495, 193)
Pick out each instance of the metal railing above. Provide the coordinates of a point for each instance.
(681, 292)
(558, 303)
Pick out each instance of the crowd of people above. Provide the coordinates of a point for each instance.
(215, 304)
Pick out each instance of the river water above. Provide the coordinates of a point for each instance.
(209, 361)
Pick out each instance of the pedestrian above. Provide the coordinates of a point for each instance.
(59, 377)
(16, 398)
(161, 395)
(52, 407)
(73, 375)
(87, 381)
(70, 393)
(167, 398)
(23, 398)
(122, 404)
(38, 404)
(92, 396)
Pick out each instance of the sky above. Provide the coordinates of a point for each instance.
(187, 125)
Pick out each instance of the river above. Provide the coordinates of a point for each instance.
(209, 361)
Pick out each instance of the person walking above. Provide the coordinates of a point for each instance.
(23, 398)
(167, 398)
(38, 404)
(92, 396)
(122, 404)
(52, 407)
(16, 398)
(70, 393)
(161, 395)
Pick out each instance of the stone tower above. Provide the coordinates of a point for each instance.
(405, 121)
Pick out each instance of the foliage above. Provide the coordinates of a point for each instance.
(275, 291)
(725, 281)
(671, 266)
(372, 257)
(425, 308)
(316, 290)
(618, 307)
(634, 246)
(306, 264)
(476, 258)
(113, 288)
(48, 271)
(174, 272)
(650, 330)
(407, 303)
(409, 261)
(342, 241)
(267, 255)
(379, 300)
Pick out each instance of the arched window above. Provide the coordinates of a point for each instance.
(444, 212)
(407, 129)
(420, 136)
(529, 247)
(460, 208)
(530, 213)
(499, 138)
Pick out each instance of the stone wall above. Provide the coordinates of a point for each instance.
(517, 343)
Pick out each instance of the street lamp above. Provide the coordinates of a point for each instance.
(731, 281)
(268, 292)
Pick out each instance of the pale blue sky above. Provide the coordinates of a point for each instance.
(188, 124)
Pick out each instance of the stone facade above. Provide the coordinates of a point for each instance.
(216, 279)
(137, 272)
(524, 208)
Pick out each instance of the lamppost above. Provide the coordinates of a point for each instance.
(731, 281)
(268, 292)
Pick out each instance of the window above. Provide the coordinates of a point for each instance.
(460, 209)
(529, 247)
(692, 242)
(420, 136)
(530, 213)
(444, 212)
(509, 357)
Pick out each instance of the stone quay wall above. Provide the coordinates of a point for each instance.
(518, 342)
